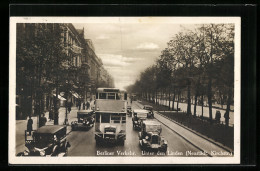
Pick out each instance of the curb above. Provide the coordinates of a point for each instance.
(186, 139)
(198, 134)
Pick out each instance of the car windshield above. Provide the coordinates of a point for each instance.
(83, 115)
(110, 129)
(151, 128)
(141, 115)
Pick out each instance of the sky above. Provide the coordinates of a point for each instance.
(126, 46)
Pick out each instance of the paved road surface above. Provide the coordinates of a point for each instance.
(83, 143)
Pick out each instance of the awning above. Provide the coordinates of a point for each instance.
(60, 97)
(75, 95)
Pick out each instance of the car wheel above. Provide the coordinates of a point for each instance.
(98, 143)
(122, 142)
(165, 150)
(20, 154)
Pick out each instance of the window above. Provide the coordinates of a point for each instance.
(115, 118)
(97, 117)
(105, 118)
(102, 95)
(111, 96)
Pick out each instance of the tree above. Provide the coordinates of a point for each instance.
(42, 58)
(184, 44)
(216, 37)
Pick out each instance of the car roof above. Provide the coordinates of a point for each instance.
(151, 122)
(140, 111)
(50, 129)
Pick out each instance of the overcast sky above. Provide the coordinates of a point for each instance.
(127, 48)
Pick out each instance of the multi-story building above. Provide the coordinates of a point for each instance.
(35, 72)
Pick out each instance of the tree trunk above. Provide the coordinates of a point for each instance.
(173, 99)
(189, 102)
(156, 97)
(161, 98)
(210, 99)
(169, 99)
(195, 103)
(56, 110)
(178, 101)
(202, 103)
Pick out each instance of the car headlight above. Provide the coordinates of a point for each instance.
(87, 122)
(42, 153)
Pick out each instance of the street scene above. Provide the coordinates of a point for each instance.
(128, 87)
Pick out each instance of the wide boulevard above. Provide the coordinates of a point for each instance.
(83, 143)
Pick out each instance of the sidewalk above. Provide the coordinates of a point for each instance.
(197, 140)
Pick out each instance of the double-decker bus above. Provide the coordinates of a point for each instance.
(110, 122)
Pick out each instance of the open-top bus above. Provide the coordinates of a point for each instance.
(110, 122)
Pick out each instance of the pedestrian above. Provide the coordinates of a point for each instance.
(79, 105)
(29, 125)
(217, 116)
(51, 113)
(43, 120)
(84, 106)
(88, 105)
(226, 118)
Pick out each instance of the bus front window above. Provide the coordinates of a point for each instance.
(102, 96)
(105, 118)
(97, 117)
(111, 96)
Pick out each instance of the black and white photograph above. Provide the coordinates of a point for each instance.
(124, 90)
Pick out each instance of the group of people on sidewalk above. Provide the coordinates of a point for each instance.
(85, 105)
(43, 119)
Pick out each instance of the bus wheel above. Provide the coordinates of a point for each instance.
(98, 143)
(122, 142)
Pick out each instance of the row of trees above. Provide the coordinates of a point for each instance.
(198, 62)
(43, 65)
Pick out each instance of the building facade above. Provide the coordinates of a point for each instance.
(54, 58)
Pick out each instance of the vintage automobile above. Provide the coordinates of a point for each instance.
(86, 119)
(49, 140)
(150, 138)
(149, 108)
(129, 111)
(138, 116)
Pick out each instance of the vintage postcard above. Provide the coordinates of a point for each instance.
(124, 90)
